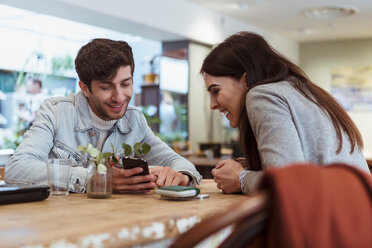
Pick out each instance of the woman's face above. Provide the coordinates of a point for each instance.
(227, 96)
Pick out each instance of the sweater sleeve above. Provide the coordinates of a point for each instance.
(162, 154)
(27, 165)
(275, 132)
(272, 123)
(249, 180)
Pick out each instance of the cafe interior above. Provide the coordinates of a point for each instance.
(332, 44)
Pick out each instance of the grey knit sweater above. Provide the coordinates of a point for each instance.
(290, 129)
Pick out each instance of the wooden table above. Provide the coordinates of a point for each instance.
(120, 221)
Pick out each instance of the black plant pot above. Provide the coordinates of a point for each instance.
(130, 163)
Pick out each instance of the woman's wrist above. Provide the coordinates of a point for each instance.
(242, 174)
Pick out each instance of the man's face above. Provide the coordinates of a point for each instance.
(109, 100)
(33, 88)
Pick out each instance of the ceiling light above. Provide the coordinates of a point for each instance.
(232, 5)
(330, 12)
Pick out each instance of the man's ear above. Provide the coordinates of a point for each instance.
(84, 88)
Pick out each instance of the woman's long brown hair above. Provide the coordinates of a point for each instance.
(249, 53)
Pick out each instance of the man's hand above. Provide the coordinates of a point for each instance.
(166, 176)
(226, 175)
(126, 181)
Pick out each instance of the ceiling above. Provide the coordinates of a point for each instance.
(41, 24)
(286, 17)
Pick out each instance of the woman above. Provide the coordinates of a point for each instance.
(282, 116)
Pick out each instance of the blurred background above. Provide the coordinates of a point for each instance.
(170, 38)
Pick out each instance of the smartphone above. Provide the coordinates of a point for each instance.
(130, 163)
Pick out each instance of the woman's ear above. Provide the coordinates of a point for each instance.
(243, 80)
(244, 77)
(84, 88)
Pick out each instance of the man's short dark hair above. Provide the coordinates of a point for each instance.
(37, 81)
(100, 59)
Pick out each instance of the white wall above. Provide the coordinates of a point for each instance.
(320, 58)
(204, 124)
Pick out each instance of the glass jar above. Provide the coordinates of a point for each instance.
(99, 182)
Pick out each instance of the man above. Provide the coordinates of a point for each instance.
(98, 114)
(34, 88)
(29, 105)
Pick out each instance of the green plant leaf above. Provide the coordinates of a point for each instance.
(137, 147)
(62, 64)
(98, 157)
(82, 149)
(107, 155)
(145, 148)
(127, 149)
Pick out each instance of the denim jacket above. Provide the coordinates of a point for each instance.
(64, 123)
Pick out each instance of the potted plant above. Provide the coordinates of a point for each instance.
(99, 181)
(152, 76)
(150, 114)
(139, 150)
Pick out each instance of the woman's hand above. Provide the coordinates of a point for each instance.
(226, 175)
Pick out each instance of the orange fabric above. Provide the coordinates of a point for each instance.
(314, 206)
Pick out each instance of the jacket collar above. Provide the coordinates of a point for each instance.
(84, 121)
